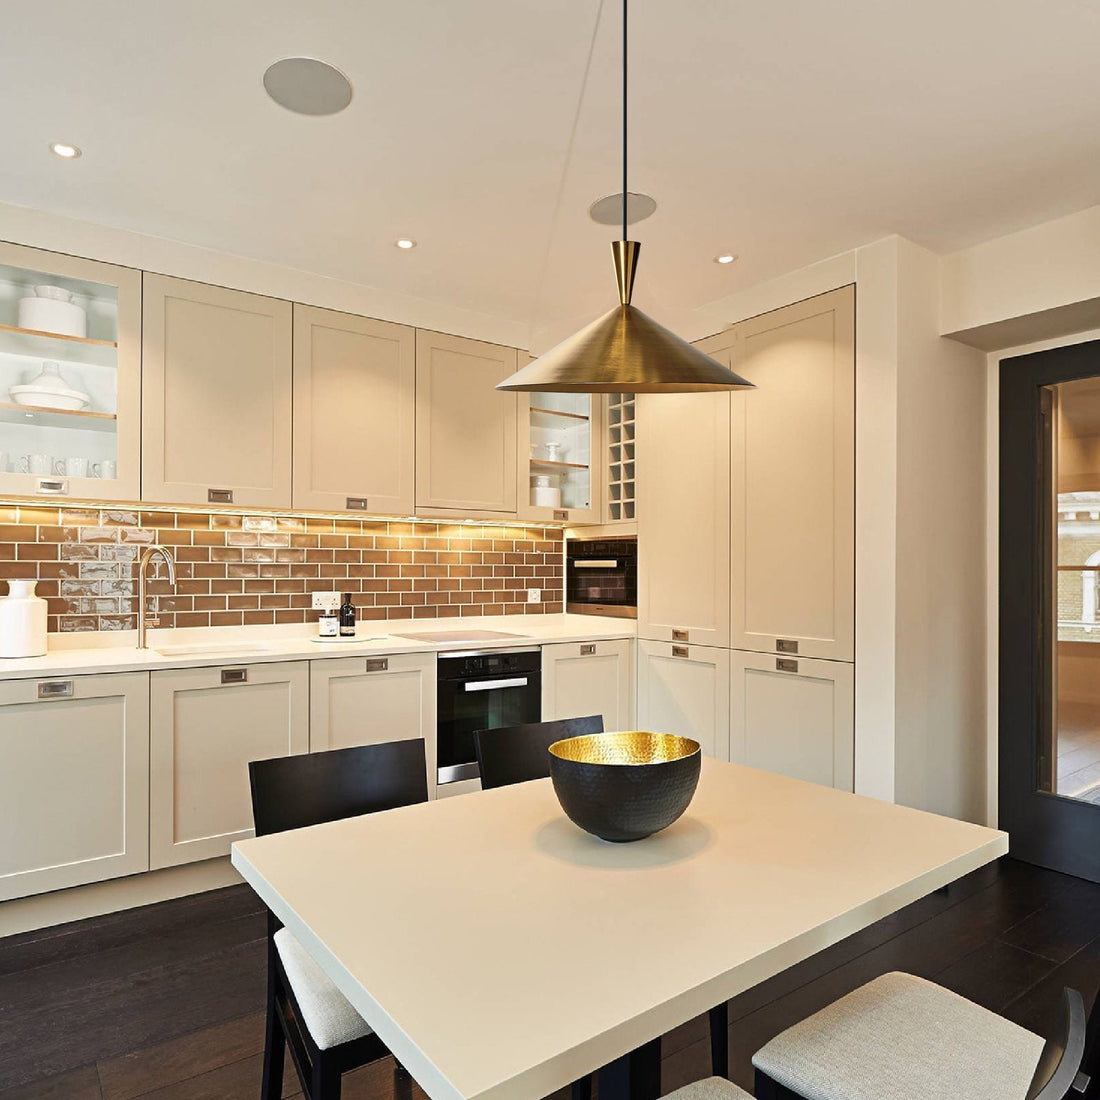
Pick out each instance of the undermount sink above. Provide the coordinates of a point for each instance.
(212, 650)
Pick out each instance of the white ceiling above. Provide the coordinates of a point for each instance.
(782, 130)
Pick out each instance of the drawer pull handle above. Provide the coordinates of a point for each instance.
(561, 515)
(357, 504)
(53, 486)
(378, 664)
(679, 651)
(234, 675)
(785, 664)
(219, 496)
(588, 650)
(785, 645)
(55, 689)
(679, 635)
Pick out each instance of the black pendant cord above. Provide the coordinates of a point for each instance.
(624, 119)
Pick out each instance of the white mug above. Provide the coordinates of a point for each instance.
(39, 465)
(108, 468)
(72, 467)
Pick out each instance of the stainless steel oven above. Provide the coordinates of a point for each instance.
(601, 577)
(478, 690)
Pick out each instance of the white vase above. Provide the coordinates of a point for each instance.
(22, 621)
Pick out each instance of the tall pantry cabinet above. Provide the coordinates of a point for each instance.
(758, 556)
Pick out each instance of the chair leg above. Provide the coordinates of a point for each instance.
(719, 1040)
(274, 1051)
(582, 1089)
(325, 1079)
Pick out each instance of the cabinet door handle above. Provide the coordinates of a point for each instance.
(53, 486)
(785, 645)
(679, 651)
(679, 635)
(561, 515)
(219, 496)
(234, 675)
(587, 650)
(357, 504)
(55, 689)
(377, 664)
(784, 664)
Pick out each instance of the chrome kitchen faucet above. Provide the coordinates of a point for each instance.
(145, 621)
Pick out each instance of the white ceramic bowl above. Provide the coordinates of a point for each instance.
(68, 401)
(50, 315)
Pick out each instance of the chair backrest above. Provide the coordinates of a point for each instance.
(1063, 1054)
(291, 792)
(515, 754)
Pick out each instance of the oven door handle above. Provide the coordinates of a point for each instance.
(492, 685)
(594, 563)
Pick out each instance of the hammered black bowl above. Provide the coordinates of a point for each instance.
(625, 786)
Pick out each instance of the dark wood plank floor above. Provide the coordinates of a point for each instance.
(166, 1002)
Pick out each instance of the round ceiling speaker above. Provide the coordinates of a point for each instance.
(609, 209)
(307, 86)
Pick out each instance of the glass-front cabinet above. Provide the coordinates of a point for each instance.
(70, 385)
(559, 438)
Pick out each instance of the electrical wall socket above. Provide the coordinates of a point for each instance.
(326, 601)
(534, 595)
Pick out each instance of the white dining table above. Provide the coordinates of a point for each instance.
(502, 953)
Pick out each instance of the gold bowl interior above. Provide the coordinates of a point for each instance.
(630, 747)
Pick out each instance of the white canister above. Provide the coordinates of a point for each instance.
(22, 621)
(545, 495)
(52, 310)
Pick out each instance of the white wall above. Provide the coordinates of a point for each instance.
(21, 225)
(940, 683)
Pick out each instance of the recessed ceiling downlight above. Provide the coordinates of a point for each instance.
(405, 243)
(64, 150)
(725, 258)
(307, 86)
(609, 209)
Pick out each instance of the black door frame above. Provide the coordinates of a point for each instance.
(1047, 829)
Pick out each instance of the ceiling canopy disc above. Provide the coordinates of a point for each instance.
(609, 209)
(307, 86)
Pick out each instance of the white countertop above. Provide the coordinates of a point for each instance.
(73, 654)
(502, 953)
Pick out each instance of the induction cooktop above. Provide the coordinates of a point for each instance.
(443, 636)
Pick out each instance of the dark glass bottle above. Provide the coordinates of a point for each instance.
(347, 617)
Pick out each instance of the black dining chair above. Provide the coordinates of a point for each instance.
(911, 1039)
(305, 1010)
(517, 754)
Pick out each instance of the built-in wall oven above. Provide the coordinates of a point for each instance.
(601, 576)
(479, 690)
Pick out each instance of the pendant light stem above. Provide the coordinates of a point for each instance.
(624, 120)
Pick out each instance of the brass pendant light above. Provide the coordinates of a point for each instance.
(624, 351)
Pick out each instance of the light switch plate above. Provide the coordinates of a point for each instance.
(534, 595)
(326, 601)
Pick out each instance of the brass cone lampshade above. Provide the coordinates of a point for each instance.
(624, 351)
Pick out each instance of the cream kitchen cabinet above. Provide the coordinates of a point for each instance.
(582, 678)
(560, 449)
(93, 341)
(793, 481)
(372, 700)
(206, 725)
(793, 716)
(354, 413)
(683, 493)
(685, 690)
(216, 396)
(466, 431)
(74, 788)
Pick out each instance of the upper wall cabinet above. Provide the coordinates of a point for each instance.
(70, 376)
(354, 413)
(793, 484)
(465, 429)
(216, 397)
(683, 468)
(559, 452)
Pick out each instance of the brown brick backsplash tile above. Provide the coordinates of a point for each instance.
(236, 569)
